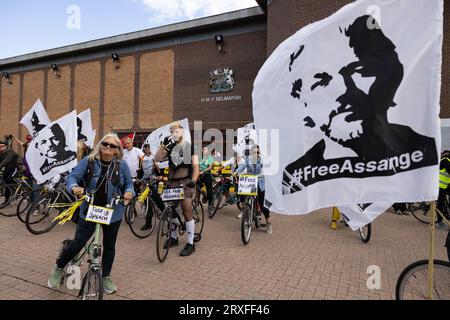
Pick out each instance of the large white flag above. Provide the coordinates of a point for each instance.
(157, 137)
(355, 98)
(36, 119)
(84, 128)
(53, 150)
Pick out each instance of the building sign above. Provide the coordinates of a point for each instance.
(221, 80)
(210, 99)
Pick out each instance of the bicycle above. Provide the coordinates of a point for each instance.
(248, 191)
(224, 187)
(20, 196)
(365, 233)
(172, 197)
(413, 282)
(421, 210)
(138, 209)
(92, 285)
(53, 201)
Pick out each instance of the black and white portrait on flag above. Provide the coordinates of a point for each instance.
(357, 103)
(84, 128)
(36, 118)
(53, 150)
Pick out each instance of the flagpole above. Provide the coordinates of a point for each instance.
(431, 257)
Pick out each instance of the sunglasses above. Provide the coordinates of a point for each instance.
(146, 146)
(112, 146)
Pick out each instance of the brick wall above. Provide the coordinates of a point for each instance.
(87, 90)
(244, 53)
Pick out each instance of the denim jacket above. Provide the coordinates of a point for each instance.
(78, 174)
(253, 168)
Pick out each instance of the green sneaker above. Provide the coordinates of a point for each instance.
(56, 278)
(109, 285)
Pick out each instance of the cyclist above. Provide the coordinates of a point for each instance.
(148, 169)
(183, 170)
(444, 181)
(105, 176)
(253, 164)
(206, 176)
(9, 161)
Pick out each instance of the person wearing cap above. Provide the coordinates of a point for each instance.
(9, 161)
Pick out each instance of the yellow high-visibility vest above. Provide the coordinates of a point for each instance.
(444, 177)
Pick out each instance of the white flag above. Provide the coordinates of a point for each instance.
(84, 128)
(157, 137)
(53, 150)
(361, 214)
(36, 119)
(355, 98)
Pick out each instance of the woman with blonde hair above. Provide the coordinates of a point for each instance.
(105, 175)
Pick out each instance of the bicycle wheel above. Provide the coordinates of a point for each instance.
(8, 208)
(217, 200)
(39, 217)
(139, 221)
(92, 287)
(365, 233)
(23, 206)
(199, 218)
(412, 284)
(246, 223)
(129, 213)
(163, 234)
(420, 211)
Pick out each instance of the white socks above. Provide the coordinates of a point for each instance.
(190, 228)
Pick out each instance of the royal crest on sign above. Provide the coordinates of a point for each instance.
(221, 80)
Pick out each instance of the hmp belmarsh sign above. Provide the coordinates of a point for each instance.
(220, 99)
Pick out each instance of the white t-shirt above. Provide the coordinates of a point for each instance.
(132, 159)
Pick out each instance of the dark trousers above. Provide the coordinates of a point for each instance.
(8, 177)
(157, 198)
(84, 232)
(207, 180)
(441, 203)
(261, 197)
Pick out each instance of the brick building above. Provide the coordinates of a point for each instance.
(162, 73)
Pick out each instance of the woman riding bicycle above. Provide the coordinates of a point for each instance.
(106, 176)
(253, 164)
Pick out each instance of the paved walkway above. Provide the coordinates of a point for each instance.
(302, 259)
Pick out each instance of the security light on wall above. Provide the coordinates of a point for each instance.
(219, 42)
(55, 70)
(6, 77)
(116, 60)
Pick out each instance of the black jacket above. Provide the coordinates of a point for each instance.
(9, 160)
